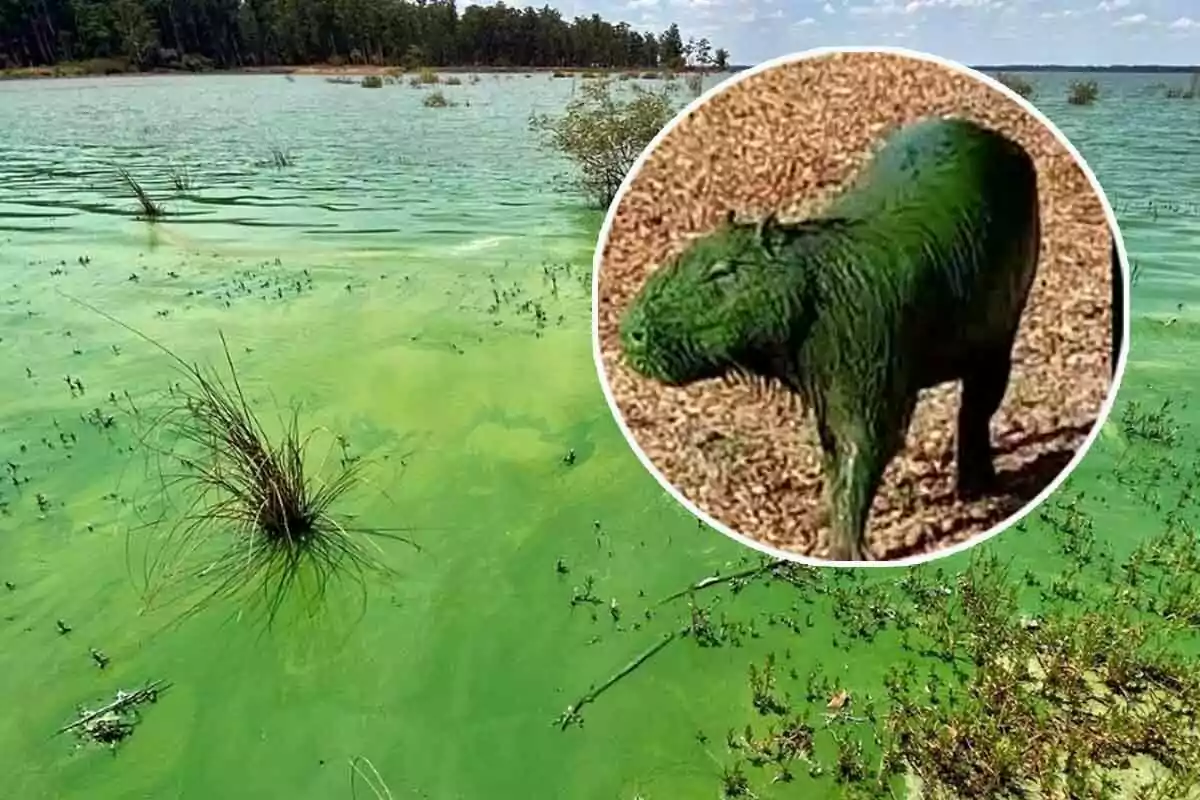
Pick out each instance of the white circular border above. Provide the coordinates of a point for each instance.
(805, 55)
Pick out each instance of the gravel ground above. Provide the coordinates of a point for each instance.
(787, 139)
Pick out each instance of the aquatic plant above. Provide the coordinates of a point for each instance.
(1083, 93)
(435, 99)
(453, 80)
(424, 77)
(152, 210)
(277, 159)
(372, 82)
(244, 515)
(695, 83)
(181, 178)
(604, 133)
(1190, 93)
(1018, 84)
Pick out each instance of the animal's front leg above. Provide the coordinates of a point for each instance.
(853, 473)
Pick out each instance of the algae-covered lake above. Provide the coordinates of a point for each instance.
(413, 279)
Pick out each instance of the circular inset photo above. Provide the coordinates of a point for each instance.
(860, 306)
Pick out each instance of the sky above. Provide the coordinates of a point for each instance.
(969, 31)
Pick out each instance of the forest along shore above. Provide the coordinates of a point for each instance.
(327, 70)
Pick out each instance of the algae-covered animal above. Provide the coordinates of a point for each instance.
(916, 275)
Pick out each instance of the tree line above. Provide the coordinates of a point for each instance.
(226, 34)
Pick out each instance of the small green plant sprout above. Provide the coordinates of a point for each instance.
(1083, 93)
(603, 130)
(436, 99)
(151, 209)
(372, 82)
(1018, 84)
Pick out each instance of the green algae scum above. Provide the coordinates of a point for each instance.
(400, 280)
(916, 275)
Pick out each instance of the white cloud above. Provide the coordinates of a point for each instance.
(1184, 23)
(1132, 19)
(1112, 5)
(803, 22)
(1063, 14)
(828, 9)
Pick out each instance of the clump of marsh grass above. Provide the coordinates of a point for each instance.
(151, 209)
(436, 99)
(245, 515)
(559, 73)
(695, 83)
(1190, 93)
(372, 82)
(277, 159)
(181, 179)
(1083, 93)
(453, 80)
(1018, 84)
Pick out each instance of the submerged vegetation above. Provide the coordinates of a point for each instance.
(603, 130)
(1078, 681)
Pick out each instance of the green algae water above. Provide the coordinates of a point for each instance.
(412, 280)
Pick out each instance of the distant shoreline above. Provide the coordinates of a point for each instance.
(329, 70)
(361, 70)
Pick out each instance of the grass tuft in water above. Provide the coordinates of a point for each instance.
(372, 82)
(271, 518)
(152, 210)
(1190, 93)
(244, 515)
(181, 179)
(436, 99)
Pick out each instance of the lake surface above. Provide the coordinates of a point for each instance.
(416, 283)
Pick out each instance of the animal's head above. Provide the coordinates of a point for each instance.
(697, 315)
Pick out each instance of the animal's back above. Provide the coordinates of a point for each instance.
(948, 211)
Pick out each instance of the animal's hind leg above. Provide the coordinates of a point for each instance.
(983, 391)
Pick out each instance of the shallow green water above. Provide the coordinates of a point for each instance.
(358, 282)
